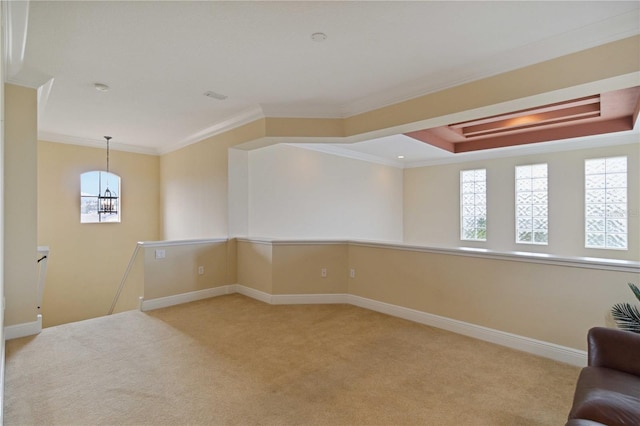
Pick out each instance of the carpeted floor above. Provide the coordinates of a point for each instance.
(233, 360)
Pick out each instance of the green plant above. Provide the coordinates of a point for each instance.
(627, 316)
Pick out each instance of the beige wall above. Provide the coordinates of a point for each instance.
(255, 265)
(177, 272)
(432, 203)
(88, 260)
(297, 268)
(20, 235)
(292, 268)
(194, 185)
(551, 303)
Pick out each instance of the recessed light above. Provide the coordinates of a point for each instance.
(318, 37)
(401, 156)
(101, 87)
(215, 95)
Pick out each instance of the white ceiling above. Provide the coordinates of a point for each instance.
(160, 57)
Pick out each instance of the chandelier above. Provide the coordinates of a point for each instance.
(107, 202)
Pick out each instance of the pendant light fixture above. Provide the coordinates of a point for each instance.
(107, 202)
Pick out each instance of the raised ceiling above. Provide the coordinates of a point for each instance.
(159, 58)
(598, 114)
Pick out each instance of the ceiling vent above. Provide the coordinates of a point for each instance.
(215, 95)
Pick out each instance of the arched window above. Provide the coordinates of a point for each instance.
(99, 197)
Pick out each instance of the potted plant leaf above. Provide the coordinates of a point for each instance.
(626, 315)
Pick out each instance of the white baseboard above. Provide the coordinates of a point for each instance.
(291, 299)
(24, 329)
(309, 299)
(514, 341)
(163, 302)
(252, 293)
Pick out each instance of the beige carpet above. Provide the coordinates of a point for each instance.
(233, 360)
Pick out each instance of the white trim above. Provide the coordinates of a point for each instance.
(309, 299)
(94, 143)
(15, 23)
(340, 151)
(245, 117)
(252, 293)
(602, 32)
(24, 329)
(44, 92)
(516, 256)
(163, 302)
(168, 243)
(525, 344)
(502, 338)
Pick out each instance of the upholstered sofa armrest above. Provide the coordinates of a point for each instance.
(615, 349)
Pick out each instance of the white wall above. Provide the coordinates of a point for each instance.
(300, 193)
(238, 193)
(432, 203)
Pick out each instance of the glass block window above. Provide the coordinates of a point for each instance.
(473, 205)
(605, 187)
(532, 208)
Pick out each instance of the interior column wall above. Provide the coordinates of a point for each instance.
(20, 202)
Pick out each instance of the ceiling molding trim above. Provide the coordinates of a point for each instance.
(603, 32)
(596, 141)
(245, 117)
(301, 111)
(336, 149)
(606, 85)
(15, 16)
(43, 97)
(92, 143)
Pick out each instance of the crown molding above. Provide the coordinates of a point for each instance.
(336, 149)
(15, 20)
(606, 31)
(93, 143)
(43, 97)
(302, 111)
(244, 117)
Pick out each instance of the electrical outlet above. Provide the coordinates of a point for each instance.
(352, 272)
(160, 254)
(323, 272)
(200, 270)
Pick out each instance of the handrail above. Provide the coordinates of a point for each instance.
(43, 251)
(124, 278)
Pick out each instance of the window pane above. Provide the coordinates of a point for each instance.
(532, 224)
(606, 203)
(473, 205)
(92, 185)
